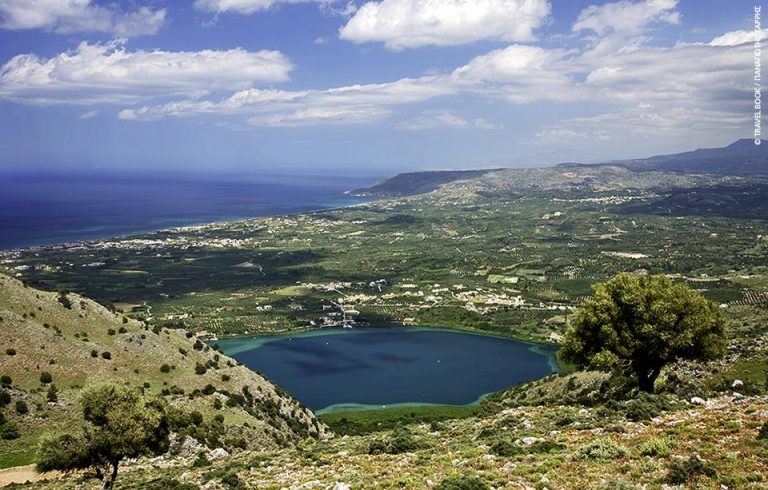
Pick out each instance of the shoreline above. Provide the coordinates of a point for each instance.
(138, 233)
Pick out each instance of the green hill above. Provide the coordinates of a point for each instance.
(68, 341)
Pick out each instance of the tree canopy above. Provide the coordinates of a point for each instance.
(120, 423)
(642, 323)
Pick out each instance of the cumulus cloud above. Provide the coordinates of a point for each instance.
(521, 74)
(412, 23)
(109, 73)
(443, 119)
(69, 16)
(626, 16)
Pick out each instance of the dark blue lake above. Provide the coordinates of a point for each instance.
(41, 210)
(371, 367)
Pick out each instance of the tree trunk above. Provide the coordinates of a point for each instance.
(109, 483)
(646, 378)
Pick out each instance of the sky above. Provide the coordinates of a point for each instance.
(367, 86)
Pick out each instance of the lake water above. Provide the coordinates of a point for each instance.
(38, 210)
(360, 368)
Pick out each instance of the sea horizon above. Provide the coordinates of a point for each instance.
(54, 209)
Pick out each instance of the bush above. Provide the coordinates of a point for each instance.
(111, 331)
(106, 355)
(5, 398)
(656, 446)
(64, 301)
(400, 441)
(9, 431)
(21, 407)
(201, 461)
(53, 394)
(462, 482)
(46, 377)
(200, 369)
(5, 381)
(762, 434)
(10, 351)
(684, 471)
(646, 406)
(122, 330)
(165, 368)
(602, 449)
(94, 353)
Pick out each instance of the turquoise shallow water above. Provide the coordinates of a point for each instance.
(364, 368)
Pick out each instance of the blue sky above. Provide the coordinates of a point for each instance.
(388, 85)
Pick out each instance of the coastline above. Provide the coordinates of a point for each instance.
(140, 233)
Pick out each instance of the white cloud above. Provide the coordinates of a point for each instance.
(108, 73)
(735, 38)
(89, 114)
(244, 6)
(413, 23)
(521, 74)
(443, 119)
(69, 16)
(348, 104)
(626, 16)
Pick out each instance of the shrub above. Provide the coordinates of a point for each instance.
(111, 331)
(201, 461)
(762, 434)
(21, 407)
(462, 482)
(656, 446)
(200, 368)
(64, 300)
(646, 406)
(602, 449)
(232, 481)
(165, 368)
(196, 417)
(46, 377)
(106, 355)
(8, 431)
(683, 471)
(399, 441)
(122, 330)
(5, 398)
(10, 351)
(94, 353)
(5, 381)
(53, 394)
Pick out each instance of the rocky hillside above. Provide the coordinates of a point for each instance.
(720, 442)
(54, 344)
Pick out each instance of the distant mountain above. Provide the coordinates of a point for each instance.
(411, 183)
(742, 157)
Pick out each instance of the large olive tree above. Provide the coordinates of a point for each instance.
(120, 423)
(640, 324)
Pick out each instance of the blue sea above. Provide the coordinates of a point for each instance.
(36, 210)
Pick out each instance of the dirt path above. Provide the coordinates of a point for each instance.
(22, 474)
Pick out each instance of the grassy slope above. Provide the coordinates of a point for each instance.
(136, 357)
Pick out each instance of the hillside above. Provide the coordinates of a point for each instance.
(80, 342)
(741, 157)
(411, 183)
